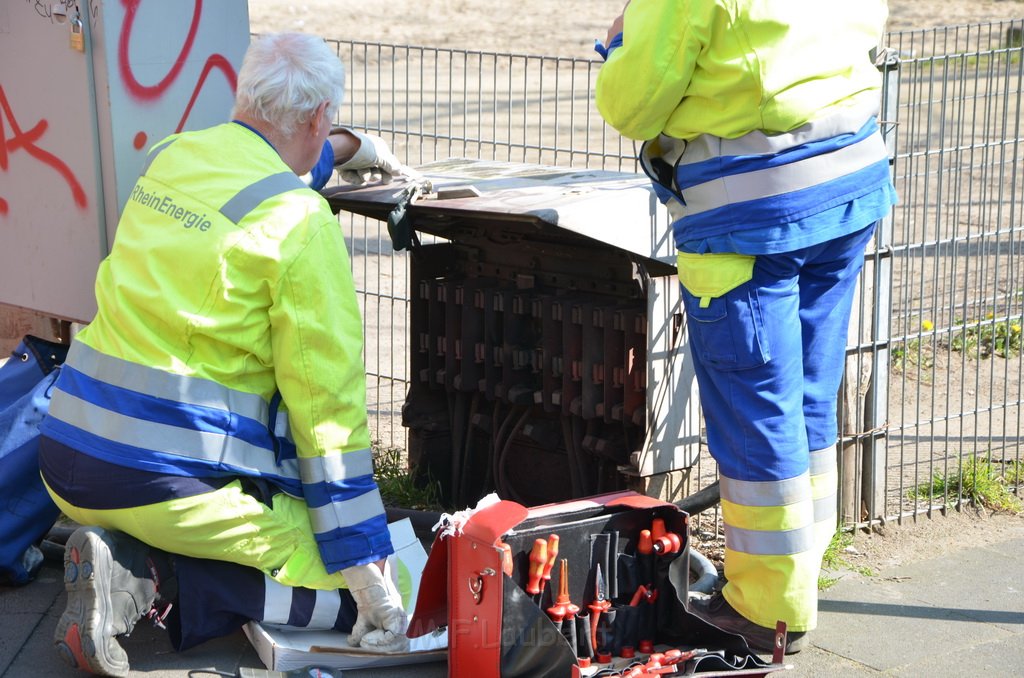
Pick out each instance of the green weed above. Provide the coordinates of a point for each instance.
(908, 354)
(979, 482)
(987, 337)
(397, 485)
(833, 560)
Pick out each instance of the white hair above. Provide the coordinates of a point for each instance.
(284, 78)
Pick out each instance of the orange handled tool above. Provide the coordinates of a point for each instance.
(552, 554)
(599, 605)
(538, 559)
(663, 541)
(563, 607)
(644, 549)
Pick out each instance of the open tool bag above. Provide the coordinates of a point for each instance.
(587, 587)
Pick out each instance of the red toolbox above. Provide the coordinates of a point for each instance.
(613, 588)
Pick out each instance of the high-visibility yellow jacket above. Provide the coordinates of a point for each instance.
(227, 292)
(758, 116)
(728, 67)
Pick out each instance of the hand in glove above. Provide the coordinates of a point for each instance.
(380, 620)
(373, 162)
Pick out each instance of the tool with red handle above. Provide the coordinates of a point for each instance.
(644, 557)
(664, 542)
(552, 555)
(563, 608)
(600, 604)
(538, 558)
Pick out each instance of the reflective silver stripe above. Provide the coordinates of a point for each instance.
(216, 448)
(335, 467)
(325, 610)
(706, 146)
(823, 461)
(763, 543)
(153, 153)
(251, 196)
(766, 493)
(277, 601)
(825, 508)
(155, 382)
(346, 513)
(282, 425)
(794, 176)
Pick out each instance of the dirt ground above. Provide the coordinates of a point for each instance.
(566, 28)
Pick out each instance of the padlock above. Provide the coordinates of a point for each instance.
(77, 36)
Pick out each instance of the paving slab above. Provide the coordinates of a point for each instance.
(967, 603)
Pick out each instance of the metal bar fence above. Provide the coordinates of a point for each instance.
(935, 351)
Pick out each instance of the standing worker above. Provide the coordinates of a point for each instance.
(209, 425)
(759, 123)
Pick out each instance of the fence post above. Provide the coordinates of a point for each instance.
(876, 405)
(864, 393)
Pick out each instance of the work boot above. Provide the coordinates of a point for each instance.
(717, 611)
(111, 582)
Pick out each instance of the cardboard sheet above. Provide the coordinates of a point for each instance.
(287, 649)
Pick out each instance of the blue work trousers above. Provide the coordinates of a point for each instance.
(769, 358)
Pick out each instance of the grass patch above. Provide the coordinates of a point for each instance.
(833, 560)
(979, 482)
(909, 354)
(988, 337)
(398, 486)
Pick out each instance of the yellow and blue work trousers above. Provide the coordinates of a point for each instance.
(242, 550)
(768, 335)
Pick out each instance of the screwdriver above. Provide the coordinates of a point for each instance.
(538, 559)
(644, 548)
(552, 554)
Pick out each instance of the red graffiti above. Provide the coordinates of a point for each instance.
(26, 141)
(151, 92)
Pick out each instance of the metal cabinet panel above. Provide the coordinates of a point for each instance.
(75, 126)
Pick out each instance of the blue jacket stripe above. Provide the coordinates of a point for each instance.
(147, 459)
(163, 411)
(348, 508)
(784, 208)
(369, 538)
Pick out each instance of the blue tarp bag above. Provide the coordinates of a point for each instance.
(26, 511)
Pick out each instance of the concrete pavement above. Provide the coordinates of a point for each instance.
(961, 614)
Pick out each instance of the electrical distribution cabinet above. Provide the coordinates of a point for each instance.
(85, 89)
(547, 348)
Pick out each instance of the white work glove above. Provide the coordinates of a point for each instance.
(373, 163)
(380, 620)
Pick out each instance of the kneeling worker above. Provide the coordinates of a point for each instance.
(209, 425)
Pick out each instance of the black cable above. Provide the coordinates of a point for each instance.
(574, 471)
(701, 500)
(467, 447)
